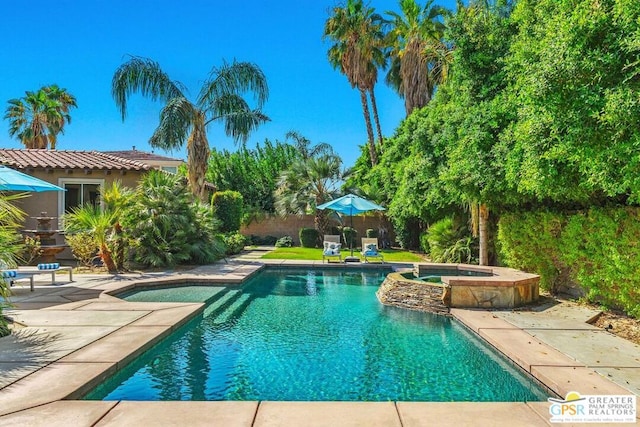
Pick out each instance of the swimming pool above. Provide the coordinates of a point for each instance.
(303, 335)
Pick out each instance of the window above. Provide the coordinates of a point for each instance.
(170, 169)
(79, 192)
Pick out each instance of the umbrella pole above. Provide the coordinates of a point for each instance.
(351, 234)
(351, 258)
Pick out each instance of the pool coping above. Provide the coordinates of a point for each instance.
(71, 375)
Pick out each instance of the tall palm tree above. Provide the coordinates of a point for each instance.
(358, 51)
(419, 58)
(220, 100)
(307, 184)
(37, 118)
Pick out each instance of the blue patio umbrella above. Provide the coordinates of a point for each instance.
(12, 180)
(351, 205)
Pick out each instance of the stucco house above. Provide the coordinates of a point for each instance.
(81, 173)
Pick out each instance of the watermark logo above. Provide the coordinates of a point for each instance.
(593, 409)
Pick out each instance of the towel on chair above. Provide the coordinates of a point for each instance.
(9, 273)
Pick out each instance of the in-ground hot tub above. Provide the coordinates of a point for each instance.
(438, 287)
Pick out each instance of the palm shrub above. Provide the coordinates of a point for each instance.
(117, 198)
(308, 183)
(99, 223)
(349, 235)
(11, 244)
(228, 208)
(450, 243)
(166, 225)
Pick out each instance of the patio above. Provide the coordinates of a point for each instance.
(76, 334)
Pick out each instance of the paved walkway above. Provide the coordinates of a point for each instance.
(74, 335)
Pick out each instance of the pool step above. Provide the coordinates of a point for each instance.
(234, 310)
(225, 300)
(217, 295)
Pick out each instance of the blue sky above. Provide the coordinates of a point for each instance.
(79, 44)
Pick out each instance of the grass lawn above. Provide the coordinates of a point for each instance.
(315, 254)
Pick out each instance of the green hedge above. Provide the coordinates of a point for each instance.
(228, 207)
(597, 249)
(308, 237)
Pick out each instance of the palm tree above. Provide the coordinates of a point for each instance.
(419, 58)
(100, 223)
(37, 118)
(307, 184)
(220, 100)
(356, 31)
(305, 148)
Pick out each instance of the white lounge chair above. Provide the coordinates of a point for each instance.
(13, 276)
(331, 247)
(370, 249)
(22, 273)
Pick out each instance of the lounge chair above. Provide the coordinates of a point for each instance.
(13, 276)
(28, 272)
(370, 249)
(331, 247)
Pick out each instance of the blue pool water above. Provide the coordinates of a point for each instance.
(314, 335)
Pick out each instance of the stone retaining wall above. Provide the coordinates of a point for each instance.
(398, 291)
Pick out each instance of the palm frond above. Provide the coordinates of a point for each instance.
(236, 78)
(176, 119)
(145, 76)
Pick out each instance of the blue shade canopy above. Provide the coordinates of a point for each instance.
(12, 180)
(351, 204)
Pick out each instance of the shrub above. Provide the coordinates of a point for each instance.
(424, 242)
(597, 249)
(349, 233)
(11, 244)
(372, 233)
(529, 242)
(234, 243)
(227, 207)
(407, 232)
(334, 230)
(308, 237)
(167, 226)
(84, 247)
(284, 242)
(32, 249)
(262, 240)
(448, 243)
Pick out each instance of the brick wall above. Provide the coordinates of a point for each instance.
(290, 226)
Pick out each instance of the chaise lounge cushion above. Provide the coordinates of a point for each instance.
(370, 250)
(9, 274)
(331, 248)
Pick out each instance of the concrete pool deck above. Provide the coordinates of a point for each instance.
(74, 335)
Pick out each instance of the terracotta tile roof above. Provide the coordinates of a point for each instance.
(141, 156)
(67, 159)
